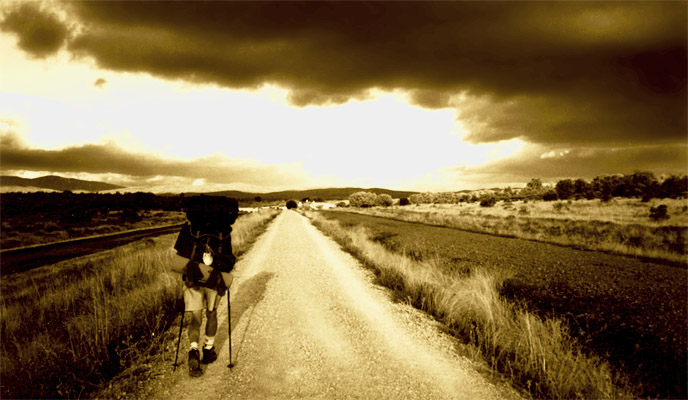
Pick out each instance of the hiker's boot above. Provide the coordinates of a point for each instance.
(209, 355)
(195, 363)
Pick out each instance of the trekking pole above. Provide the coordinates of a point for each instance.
(229, 327)
(181, 325)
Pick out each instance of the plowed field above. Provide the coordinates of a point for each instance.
(629, 311)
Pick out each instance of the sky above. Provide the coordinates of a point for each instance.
(265, 96)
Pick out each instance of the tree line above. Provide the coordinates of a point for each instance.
(68, 207)
(642, 185)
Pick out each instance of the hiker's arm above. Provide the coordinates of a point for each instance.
(177, 262)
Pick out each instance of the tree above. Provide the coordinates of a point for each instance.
(659, 213)
(534, 185)
(641, 183)
(363, 199)
(583, 189)
(258, 199)
(384, 200)
(422, 198)
(533, 189)
(404, 201)
(291, 204)
(488, 201)
(604, 186)
(550, 195)
(565, 189)
(675, 186)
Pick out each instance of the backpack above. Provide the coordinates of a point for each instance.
(211, 214)
(206, 238)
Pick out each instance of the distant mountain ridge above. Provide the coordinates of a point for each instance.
(57, 183)
(325, 194)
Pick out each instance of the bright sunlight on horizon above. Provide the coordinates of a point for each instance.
(380, 141)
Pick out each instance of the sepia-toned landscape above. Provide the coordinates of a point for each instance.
(389, 200)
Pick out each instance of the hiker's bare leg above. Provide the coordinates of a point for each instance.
(211, 314)
(195, 326)
(211, 324)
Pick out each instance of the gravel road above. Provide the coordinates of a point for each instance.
(307, 322)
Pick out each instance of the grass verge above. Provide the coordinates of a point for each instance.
(68, 328)
(537, 353)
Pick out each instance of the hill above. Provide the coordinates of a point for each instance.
(325, 194)
(57, 183)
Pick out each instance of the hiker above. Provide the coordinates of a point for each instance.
(204, 248)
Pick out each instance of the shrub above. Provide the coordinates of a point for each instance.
(565, 189)
(550, 195)
(488, 201)
(659, 213)
(51, 227)
(404, 201)
(363, 199)
(384, 200)
(291, 204)
(130, 215)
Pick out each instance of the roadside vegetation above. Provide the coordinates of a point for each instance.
(39, 218)
(538, 353)
(629, 311)
(68, 328)
(625, 226)
(635, 214)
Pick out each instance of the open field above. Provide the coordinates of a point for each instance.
(67, 328)
(628, 312)
(620, 225)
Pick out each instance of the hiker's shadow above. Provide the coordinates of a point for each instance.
(249, 294)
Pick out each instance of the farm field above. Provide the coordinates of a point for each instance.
(628, 311)
(620, 225)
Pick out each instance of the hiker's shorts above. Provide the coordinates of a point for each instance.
(197, 299)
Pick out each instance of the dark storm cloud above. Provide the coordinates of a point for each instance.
(40, 33)
(98, 159)
(582, 163)
(546, 72)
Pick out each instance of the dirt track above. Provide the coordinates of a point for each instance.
(308, 323)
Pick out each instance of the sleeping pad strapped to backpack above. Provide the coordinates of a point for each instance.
(206, 239)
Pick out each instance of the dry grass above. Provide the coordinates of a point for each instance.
(66, 329)
(621, 226)
(539, 354)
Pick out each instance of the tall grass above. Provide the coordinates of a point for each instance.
(66, 329)
(621, 226)
(539, 354)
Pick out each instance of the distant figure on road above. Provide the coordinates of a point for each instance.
(204, 248)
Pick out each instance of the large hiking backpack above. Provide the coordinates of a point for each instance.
(212, 214)
(208, 231)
